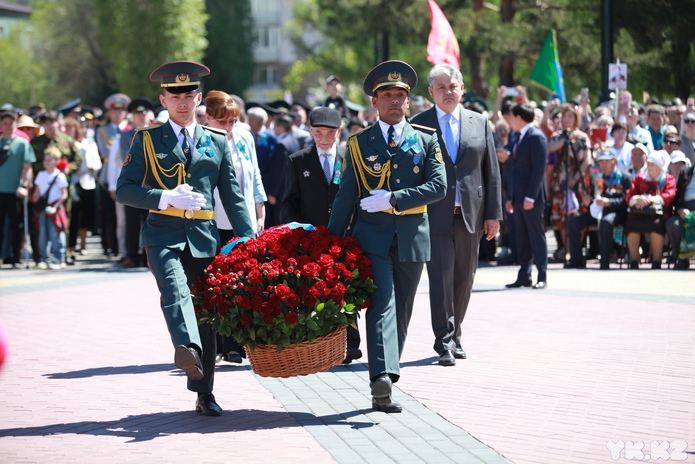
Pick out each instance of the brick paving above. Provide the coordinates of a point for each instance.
(553, 376)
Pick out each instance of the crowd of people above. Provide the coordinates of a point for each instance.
(588, 206)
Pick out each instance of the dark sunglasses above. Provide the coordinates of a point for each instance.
(671, 142)
(689, 121)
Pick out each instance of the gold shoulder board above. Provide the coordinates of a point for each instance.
(219, 131)
(427, 128)
(148, 127)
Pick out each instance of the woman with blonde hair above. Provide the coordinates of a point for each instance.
(222, 113)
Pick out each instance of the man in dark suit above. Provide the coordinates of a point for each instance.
(472, 207)
(526, 198)
(393, 171)
(311, 183)
(274, 181)
(171, 170)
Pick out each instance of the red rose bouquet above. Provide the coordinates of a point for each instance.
(288, 286)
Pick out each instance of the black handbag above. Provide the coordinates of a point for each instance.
(652, 209)
(41, 204)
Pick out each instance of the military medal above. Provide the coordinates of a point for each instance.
(416, 169)
(377, 167)
(392, 144)
(306, 173)
(372, 158)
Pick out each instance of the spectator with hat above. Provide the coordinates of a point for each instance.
(649, 199)
(393, 171)
(28, 127)
(683, 204)
(107, 136)
(638, 160)
(180, 235)
(608, 209)
(312, 181)
(16, 158)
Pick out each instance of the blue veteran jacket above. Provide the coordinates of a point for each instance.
(417, 178)
(141, 185)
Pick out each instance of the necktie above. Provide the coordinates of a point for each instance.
(392, 139)
(184, 144)
(327, 171)
(451, 145)
(516, 145)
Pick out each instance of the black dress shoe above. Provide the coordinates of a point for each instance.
(447, 358)
(540, 285)
(352, 353)
(188, 360)
(233, 357)
(386, 405)
(459, 353)
(520, 283)
(381, 386)
(577, 265)
(206, 405)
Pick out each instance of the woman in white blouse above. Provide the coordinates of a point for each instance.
(222, 113)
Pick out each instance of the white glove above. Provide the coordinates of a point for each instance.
(183, 197)
(379, 201)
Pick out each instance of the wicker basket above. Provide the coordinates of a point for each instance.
(306, 358)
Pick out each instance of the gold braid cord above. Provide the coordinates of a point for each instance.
(361, 170)
(152, 164)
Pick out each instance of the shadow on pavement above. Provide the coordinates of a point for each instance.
(113, 370)
(145, 427)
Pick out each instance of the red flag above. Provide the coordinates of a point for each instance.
(442, 46)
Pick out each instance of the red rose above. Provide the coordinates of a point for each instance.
(292, 300)
(282, 290)
(291, 317)
(325, 261)
(311, 270)
(255, 277)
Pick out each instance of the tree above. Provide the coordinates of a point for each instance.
(23, 80)
(664, 27)
(138, 36)
(68, 51)
(229, 53)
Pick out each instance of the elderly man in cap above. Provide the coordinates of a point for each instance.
(608, 208)
(172, 170)
(107, 136)
(393, 170)
(311, 182)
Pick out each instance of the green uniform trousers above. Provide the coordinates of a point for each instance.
(389, 313)
(175, 272)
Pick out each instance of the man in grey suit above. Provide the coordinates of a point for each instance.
(472, 207)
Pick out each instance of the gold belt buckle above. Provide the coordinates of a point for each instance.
(188, 213)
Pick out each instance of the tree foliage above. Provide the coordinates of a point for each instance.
(138, 36)
(500, 40)
(229, 54)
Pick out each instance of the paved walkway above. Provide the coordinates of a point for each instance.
(598, 368)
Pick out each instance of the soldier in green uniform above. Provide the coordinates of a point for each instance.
(53, 136)
(393, 171)
(172, 170)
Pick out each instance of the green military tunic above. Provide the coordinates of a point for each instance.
(397, 244)
(156, 162)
